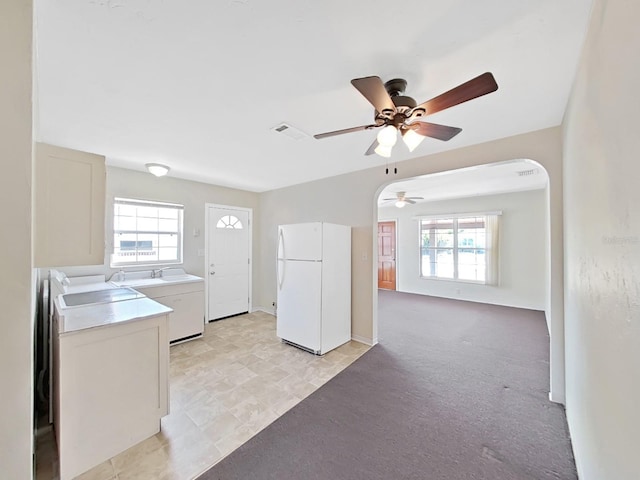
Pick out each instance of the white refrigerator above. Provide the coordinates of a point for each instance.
(314, 285)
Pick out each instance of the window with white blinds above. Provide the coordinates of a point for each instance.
(146, 233)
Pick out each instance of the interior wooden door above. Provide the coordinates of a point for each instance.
(387, 255)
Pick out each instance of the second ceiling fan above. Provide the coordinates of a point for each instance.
(395, 112)
(401, 199)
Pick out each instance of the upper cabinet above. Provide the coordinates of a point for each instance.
(70, 189)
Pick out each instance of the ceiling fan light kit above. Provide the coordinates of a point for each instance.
(388, 136)
(412, 139)
(383, 150)
(401, 199)
(395, 112)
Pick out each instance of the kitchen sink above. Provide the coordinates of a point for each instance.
(99, 296)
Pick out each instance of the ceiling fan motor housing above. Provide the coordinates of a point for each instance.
(403, 104)
(395, 86)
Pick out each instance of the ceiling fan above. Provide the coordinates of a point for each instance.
(401, 199)
(395, 112)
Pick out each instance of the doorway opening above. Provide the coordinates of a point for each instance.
(518, 192)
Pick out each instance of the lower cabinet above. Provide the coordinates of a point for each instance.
(187, 301)
(110, 390)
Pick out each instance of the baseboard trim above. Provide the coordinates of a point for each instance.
(366, 341)
(575, 445)
(268, 310)
(557, 398)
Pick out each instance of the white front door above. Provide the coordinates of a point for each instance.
(228, 261)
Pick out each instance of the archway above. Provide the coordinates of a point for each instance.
(497, 180)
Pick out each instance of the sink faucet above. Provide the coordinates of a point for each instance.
(158, 273)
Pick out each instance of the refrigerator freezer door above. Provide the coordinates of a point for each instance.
(299, 303)
(302, 241)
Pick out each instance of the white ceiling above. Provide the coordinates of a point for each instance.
(495, 178)
(198, 85)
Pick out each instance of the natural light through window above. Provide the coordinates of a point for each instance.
(229, 221)
(146, 232)
(459, 248)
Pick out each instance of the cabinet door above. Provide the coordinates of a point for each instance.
(113, 389)
(187, 318)
(69, 207)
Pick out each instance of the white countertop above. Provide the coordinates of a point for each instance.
(155, 282)
(73, 319)
(100, 315)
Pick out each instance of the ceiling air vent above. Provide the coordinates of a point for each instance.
(289, 131)
(526, 173)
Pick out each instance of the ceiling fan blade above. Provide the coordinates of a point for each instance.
(408, 200)
(373, 90)
(371, 150)
(414, 198)
(433, 130)
(346, 130)
(474, 88)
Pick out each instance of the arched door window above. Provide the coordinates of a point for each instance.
(229, 221)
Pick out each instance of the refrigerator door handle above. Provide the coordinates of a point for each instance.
(280, 274)
(280, 244)
(280, 260)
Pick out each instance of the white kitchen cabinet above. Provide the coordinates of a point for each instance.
(69, 226)
(187, 301)
(110, 386)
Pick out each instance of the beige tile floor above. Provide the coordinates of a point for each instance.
(225, 388)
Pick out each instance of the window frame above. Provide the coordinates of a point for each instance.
(147, 203)
(489, 276)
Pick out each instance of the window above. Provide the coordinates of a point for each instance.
(229, 221)
(146, 233)
(460, 248)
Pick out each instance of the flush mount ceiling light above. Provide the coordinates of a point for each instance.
(157, 169)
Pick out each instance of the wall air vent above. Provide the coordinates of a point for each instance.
(289, 131)
(526, 173)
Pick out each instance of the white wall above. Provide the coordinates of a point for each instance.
(602, 247)
(523, 257)
(16, 284)
(350, 199)
(193, 195)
